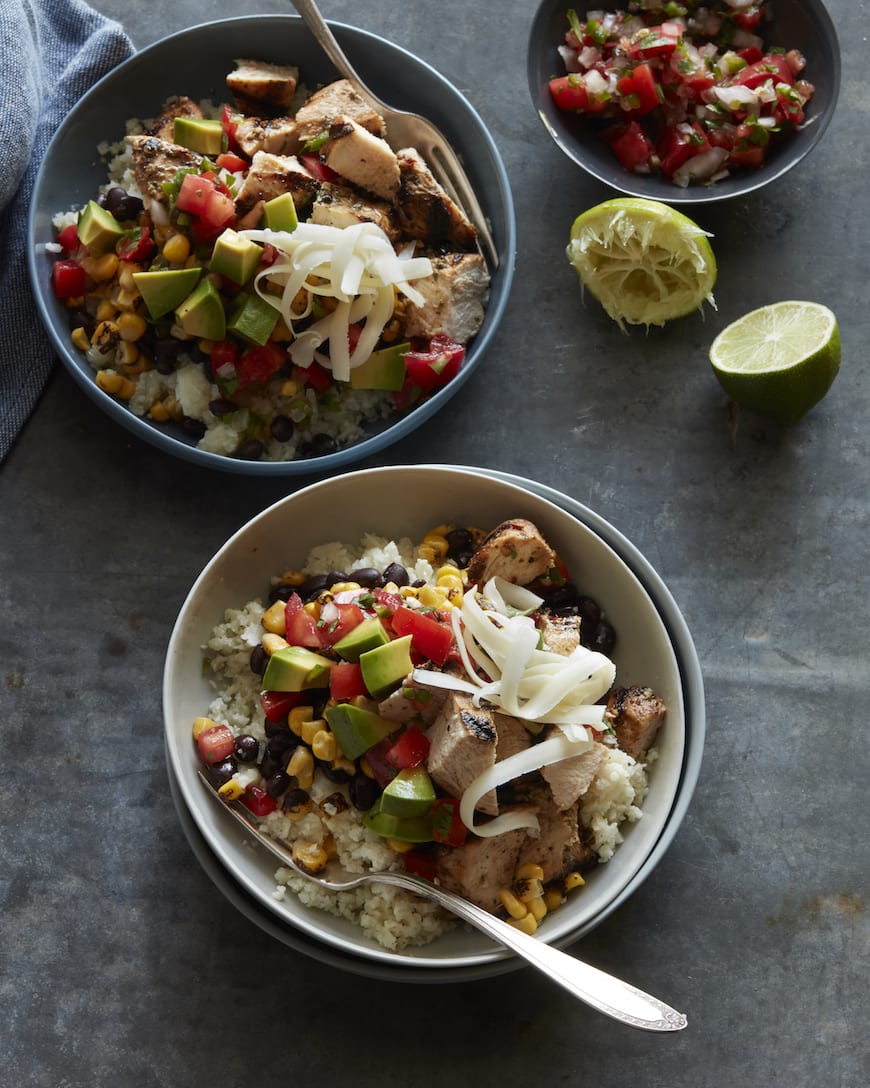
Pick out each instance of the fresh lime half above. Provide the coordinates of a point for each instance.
(779, 360)
(644, 262)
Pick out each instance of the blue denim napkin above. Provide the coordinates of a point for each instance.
(51, 52)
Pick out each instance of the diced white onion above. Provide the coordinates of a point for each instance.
(737, 97)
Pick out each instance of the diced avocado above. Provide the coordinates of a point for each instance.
(202, 313)
(386, 666)
(410, 793)
(199, 134)
(295, 668)
(253, 319)
(235, 257)
(166, 288)
(356, 729)
(364, 637)
(98, 229)
(280, 213)
(384, 369)
(402, 828)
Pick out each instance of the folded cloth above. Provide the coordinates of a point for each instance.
(51, 52)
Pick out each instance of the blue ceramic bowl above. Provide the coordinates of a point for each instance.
(796, 24)
(195, 62)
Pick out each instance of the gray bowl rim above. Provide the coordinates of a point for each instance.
(694, 702)
(354, 40)
(627, 184)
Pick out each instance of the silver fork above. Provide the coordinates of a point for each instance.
(407, 130)
(609, 995)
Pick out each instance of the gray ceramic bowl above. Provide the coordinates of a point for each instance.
(653, 648)
(195, 62)
(797, 24)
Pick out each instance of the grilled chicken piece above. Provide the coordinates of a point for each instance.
(636, 714)
(424, 208)
(335, 100)
(270, 176)
(570, 778)
(363, 159)
(157, 161)
(339, 206)
(515, 551)
(557, 847)
(164, 124)
(413, 703)
(255, 84)
(481, 868)
(454, 297)
(560, 634)
(277, 135)
(465, 741)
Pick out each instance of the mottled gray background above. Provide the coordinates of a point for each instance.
(119, 962)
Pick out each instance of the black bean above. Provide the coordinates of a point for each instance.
(590, 611)
(221, 406)
(565, 596)
(166, 352)
(258, 661)
(335, 576)
(282, 428)
(312, 586)
(222, 772)
(459, 543)
(250, 450)
(603, 638)
(316, 698)
(247, 748)
(319, 445)
(395, 572)
(364, 791)
(122, 205)
(280, 593)
(279, 744)
(278, 783)
(274, 729)
(80, 318)
(271, 764)
(194, 427)
(334, 774)
(367, 577)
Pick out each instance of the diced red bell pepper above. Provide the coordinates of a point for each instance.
(301, 626)
(278, 704)
(260, 362)
(345, 681)
(436, 366)
(68, 238)
(410, 750)
(447, 825)
(68, 279)
(420, 863)
(630, 144)
(317, 168)
(640, 90)
(258, 801)
(215, 743)
(430, 638)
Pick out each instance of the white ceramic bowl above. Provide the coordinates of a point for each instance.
(420, 497)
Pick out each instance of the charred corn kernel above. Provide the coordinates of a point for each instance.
(109, 381)
(363, 702)
(272, 643)
(330, 847)
(448, 568)
(528, 924)
(553, 898)
(106, 337)
(275, 618)
(340, 587)
(106, 311)
(205, 346)
(538, 908)
(158, 412)
(310, 856)
(176, 249)
(366, 767)
(313, 609)
(530, 871)
(431, 596)
(391, 587)
(288, 388)
(75, 303)
(437, 541)
(131, 326)
(301, 767)
(80, 338)
(102, 268)
(450, 584)
(528, 889)
(281, 332)
(296, 803)
(408, 591)
(391, 331)
(429, 553)
(125, 277)
(174, 408)
(310, 730)
(232, 790)
(127, 390)
(126, 355)
(124, 300)
(333, 805)
(511, 904)
(342, 763)
(138, 366)
(201, 724)
(298, 716)
(399, 846)
(323, 745)
(292, 578)
(573, 880)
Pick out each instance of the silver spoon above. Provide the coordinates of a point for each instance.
(609, 995)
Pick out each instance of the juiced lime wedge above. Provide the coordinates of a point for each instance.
(779, 360)
(644, 262)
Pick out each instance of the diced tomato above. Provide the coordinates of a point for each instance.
(218, 213)
(345, 681)
(193, 194)
(317, 376)
(386, 601)
(640, 90)
(748, 156)
(301, 626)
(228, 160)
(338, 619)
(748, 148)
(376, 758)
(138, 245)
(260, 362)
(318, 169)
(571, 92)
(229, 124)
(678, 144)
(656, 41)
(277, 704)
(270, 255)
(68, 279)
(749, 18)
(430, 638)
(215, 743)
(68, 238)
(258, 801)
(751, 54)
(436, 366)
(223, 352)
(408, 397)
(420, 863)
(410, 750)
(789, 105)
(201, 196)
(772, 66)
(630, 144)
(447, 825)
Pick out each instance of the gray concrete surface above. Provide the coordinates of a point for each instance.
(121, 965)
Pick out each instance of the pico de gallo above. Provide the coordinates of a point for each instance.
(690, 90)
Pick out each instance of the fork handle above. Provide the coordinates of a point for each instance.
(327, 41)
